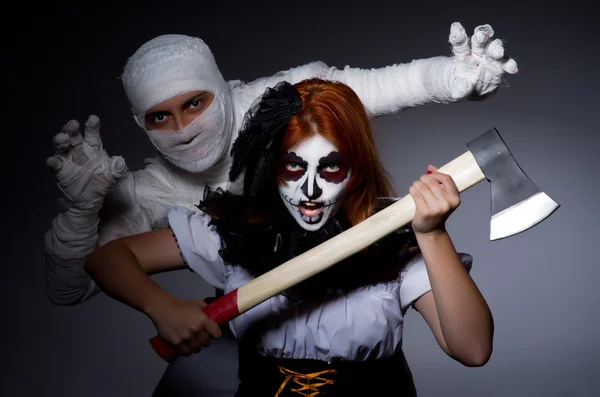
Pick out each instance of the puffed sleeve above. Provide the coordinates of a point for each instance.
(415, 280)
(199, 243)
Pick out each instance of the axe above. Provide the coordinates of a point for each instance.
(517, 205)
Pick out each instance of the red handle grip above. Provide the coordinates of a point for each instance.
(221, 311)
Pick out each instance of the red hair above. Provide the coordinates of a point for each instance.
(334, 111)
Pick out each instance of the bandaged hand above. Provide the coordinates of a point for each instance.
(479, 62)
(84, 171)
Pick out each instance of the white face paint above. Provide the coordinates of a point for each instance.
(316, 180)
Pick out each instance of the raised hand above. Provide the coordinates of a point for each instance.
(479, 62)
(436, 197)
(84, 171)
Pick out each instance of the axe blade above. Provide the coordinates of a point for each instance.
(517, 203)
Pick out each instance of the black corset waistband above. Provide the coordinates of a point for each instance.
(270, 377)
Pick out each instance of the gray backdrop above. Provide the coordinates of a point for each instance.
(541, 285)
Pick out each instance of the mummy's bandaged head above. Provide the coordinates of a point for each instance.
(315, 181)
(171, 65)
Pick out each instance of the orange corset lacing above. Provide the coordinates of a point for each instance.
(309, 383)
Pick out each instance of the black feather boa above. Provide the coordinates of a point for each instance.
(260, 246)
(254, 153)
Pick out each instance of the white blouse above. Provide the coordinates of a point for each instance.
(363, 324)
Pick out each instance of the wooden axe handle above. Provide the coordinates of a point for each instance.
(465, 172)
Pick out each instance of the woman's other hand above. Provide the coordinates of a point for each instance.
(183, 324)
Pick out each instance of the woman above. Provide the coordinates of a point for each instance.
(309, 168)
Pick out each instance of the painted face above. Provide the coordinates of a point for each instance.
(316, 180)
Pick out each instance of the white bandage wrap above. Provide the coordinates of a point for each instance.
(73, 237)
(167, 66)
(396, 87)
(203, 142)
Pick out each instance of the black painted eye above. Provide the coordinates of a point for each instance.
(292, 170)
(334, 172)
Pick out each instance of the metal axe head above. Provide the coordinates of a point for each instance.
(517, 203)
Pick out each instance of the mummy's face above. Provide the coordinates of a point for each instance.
(316, 179)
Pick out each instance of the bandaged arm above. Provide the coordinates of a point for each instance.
(476, 68)
(136, 205)
(397, 87)
(383, 91)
